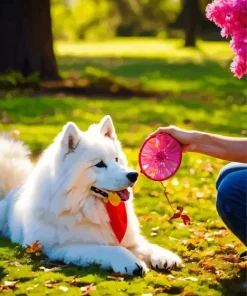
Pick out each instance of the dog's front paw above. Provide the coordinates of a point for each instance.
(164, 259)
(127, 263)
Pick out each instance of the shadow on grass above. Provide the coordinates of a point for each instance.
(3, 272)
(206, 77)
(5, 244)
(236, 286)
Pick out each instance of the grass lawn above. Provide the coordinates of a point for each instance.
(204, 95)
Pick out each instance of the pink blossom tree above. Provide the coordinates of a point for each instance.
(231, 17)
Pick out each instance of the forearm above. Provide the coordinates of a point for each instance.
(227, 148)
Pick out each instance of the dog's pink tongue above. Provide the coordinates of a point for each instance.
(124, 194)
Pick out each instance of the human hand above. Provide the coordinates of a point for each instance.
(187, 139)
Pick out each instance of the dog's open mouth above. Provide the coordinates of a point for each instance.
(123, 194)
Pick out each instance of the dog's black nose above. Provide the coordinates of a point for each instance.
(132, 176)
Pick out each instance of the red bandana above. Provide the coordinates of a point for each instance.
(118, 219)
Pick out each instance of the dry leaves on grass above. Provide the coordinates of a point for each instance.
(227, 248)
(195, 271)
(84, 289)
(241, 265)
(117, 276)
(34, 247)
(88, 289)
(8, 285)
(15, 133)
(155, 231)
(50, 284)
(74, 281)
(208, 265)
(173, 278)
(221, 233)
(231, 258)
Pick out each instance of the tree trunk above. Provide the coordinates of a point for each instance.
(26, 38)
(192, 14)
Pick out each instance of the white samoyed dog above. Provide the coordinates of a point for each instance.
(61, 201)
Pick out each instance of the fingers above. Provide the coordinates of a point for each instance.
(169, 130)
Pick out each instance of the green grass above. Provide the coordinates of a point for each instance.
(162, 65)
(202, 94)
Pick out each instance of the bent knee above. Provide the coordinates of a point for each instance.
(228, 169)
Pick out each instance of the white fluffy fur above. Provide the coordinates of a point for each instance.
(56, 206)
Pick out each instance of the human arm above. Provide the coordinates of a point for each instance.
(227, 148)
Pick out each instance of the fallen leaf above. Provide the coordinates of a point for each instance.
(227, 248)
(209, 239)
(115, 278)
(232, 258)
(88, 289)
(65, 289)
(199, 194)
(192, 244)
(221, 233)
(34, 247)
(158, 290)
(8, 285)
(241, 265)
(173, 238)
(16, 263)
(210, 253)
(154, 193)
(195, 271)
(50, 269)
(193, 279)
(50, 283)
(15, 133)
(184, 242)
(74, 281)
(170, 277)
(208, 265)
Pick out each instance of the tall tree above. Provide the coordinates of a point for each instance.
(26, 38)
(192, 18)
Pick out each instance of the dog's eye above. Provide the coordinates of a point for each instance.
(116, 159)
(101, 164)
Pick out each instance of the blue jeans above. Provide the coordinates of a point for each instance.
(231, 200)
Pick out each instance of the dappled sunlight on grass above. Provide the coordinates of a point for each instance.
(202, 94)
(145, 47)
(161, 65)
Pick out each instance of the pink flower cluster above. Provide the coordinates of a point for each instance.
(231, 16)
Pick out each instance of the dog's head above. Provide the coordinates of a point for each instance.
(91, 163)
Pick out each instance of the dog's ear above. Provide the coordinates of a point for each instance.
(107, 128)
(70, 135)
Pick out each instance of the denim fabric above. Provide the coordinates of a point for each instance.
(231, 200)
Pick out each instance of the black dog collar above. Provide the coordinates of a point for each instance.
(98, 191)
